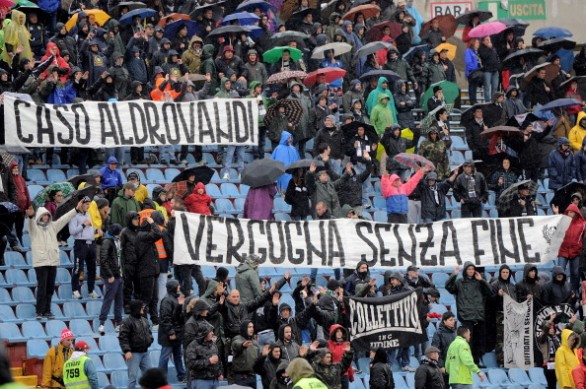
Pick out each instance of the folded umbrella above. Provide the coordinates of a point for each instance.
(367, 10)
(141, 13)
(338, 47)
(262, 172)
(371, 48)
(452, 49)
(487, 29)
(293, 111)
(202, 174)
(283, 77)
(131, 5)
(172, 18)
(276, 53)
(553, 32)
(467, 17)
(413, 160)
(303, 164)
(41, 197)
(506, 197)
(330, 75)
(351, 129)
(447, 25)
(172, 28)
(529, 54)
(551, 71)
(251, 5)
(100, 16)
(376, 32)
(553, 45)
(243, 18)
(560, 103)
(70, 202)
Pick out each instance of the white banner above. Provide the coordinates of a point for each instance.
(518, 333)
(130, 123)
(207, 240)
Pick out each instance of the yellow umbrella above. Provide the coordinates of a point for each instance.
(451, 50)
(100, 16)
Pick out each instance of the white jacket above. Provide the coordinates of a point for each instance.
(44, 244)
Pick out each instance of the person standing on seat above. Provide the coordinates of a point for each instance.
(84, 249)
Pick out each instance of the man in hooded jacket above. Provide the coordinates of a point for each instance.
(171, 329)
(499, 287)
(203, 360)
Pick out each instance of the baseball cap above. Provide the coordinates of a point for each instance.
(81, 345)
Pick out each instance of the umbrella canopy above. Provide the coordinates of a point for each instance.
(330, 75)
(350, 130)
(89, 178)
(413, 160)
(290, 6)
(430, 119)
(251, 5)
(216, 7)
(571, 79)
(70, 202)
(563, 196)
(293, 111)
(518, 26)
(287, 36)
(7, 207)
(338, 47)
(452, 49)
(202, 174)
(508, 130)
(447, 25)
(416, 49)
(41, 197)
(131, 5)
(376, 32)
(468, 114)
(367, 10)
(276, 53)
(551, 71)
(529, 54)
(553, 45)
(486, 29)
(7, 4)
(7, 157)
(389, 74)
(21, 4)
(172, 18)
(243, 18)
(560, 103)
(262, 172)
(179, 188)
(371, 48)
(327, 9)
(141, 13)
(100, 16)
(283, 77)
(506, 197)
(467, 17)
(303, 164)
(172, 28)
(232, 29)
(450, 89)
(553, 32)
(523, 119)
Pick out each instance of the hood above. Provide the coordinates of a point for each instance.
(227, 48)
(223, 84)
(207, 52)
(18, 17)
(381, 80)
(148, 204)
(467, 264)
(198, 186)
(244, 329)
(380, 356)
(253, 84)
(281, 332)
(211, 288)
(381, 97)
(570, 339)
(135, 307)
(195, 39)
(299, 368)
(503, 267)
(284, 306)
(342, 34)
(129, 216)
(285, 135)
(172, 287)
(575, 209)
(134, 85)
(12, 165)
(51, 45)
(345, 25)
(282, 367)
(321, 39)
(394, 178)
(398, 276)
(111, 159)
(199, 307)
(528, 267)
(353, 84)
(510, 89)
(40, 212)
(157, 192)
(203, 329)
(399, 84)
(333, 16)
(158, 218)
(581, 115)
(164, 40)
(360, 263)
(333, 330)
(557, 270)
(387, 277)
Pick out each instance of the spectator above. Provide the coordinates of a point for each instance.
(330, 372)
(395, 193)
(381, 376)
(381, 116)
(171, 330)
(79, 369)
(433, 196)
(474, 71)
(23, 201)
(199, 201)
(499, 287)
(290, 349)
(247, 281)
(268, 363)
(557, 290)
(111, 178)
(578, 132)
(443, 337)
(395, 144)
(560, 165)
(331, 135)
(416, 280)
(322, 189)
(471, 191)
(141, 193)
(428, 374)
(110, 270)
(285, 152)
(502, 178)
(124, 203)
(135, 338)
(55, 360)
(435, 148)
(297, 195)
(259, 203)
(477, 143)
(245, 351)
(433, 70)
(537, 90)
(513, 104)
(302, 375)
(490, 67)
(459, 362)
(566, 360)
(529, 287)
(84, 250)
(549, 343)
(153, 378)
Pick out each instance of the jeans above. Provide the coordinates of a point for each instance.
(113, 294)
(414, 214)
(574, 271)
(117, 152)
(336, 165)
(491, 84)
(229, 157)
(166, 352)
(84, 253)
(45, 287)
(138, 360)
(400, 354)
(205, 384)
(245, 380)
(471, 210)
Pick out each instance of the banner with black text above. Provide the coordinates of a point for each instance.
(208, 240)
(133, 123)
(518, 333)
(388, 322)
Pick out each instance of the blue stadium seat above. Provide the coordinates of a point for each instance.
(519, 376)
(282, 217)
(214, 191)
(489, 360)
(457, 158)
(63, 276)
(210, 161)
(3, 283)
(380, 216)
(64, 293)
(228, 189)
(536, 386)
(216, 178)
(431, 330)
(72, 172)
(399, 381)
(33, 190)
(33, 330)
(224, 206)
(365, 214)
(110, 344)
(7, 314)
(244, 189)
(64, 259)
(171, 173)
(280, 205)
(15, 260)
(36, 348)
(458, 143)
(537, 376)
(446, 297)
(379, 203)
(54, 328)
(108, 326)
(75, 309)
(239, 204)
(119, 379)
(80, 327)
(5, 297)
(439, 279)
(17, 277)
(25, 311)
(156, 176)
(11, 332)
(93, 308)
(37, 176)
(438, 308)
(498, 377)
(357, 384)
(410, 378)
(94, 348)
(56, 175)
(114, 361)
(102, 377)
(23, 294)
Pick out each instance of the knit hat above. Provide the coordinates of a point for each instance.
(66, 334)
(222, 273)
(115, 229)
(563, 141)
(153, 378)
(331, 117)
(129, 185)
(333, 284)
(431, 350)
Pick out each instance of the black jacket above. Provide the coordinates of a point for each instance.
(428, 376)
(430, 209)
(461, 188)
(234, 315)
(529, 286)
(298, 197)
(127, 246)
(350, 189)
(146, 253)
(135, 334)
(197, 357)
(109, 263)
(442, 339)
(556, 292)
(171, 317)
(334, 137)
(9, 193)
(267, 367)
(381, 376)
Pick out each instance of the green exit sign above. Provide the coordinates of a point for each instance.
(519, 9)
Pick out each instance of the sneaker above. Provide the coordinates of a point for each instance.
(17, 249)
(117, 328)
(226, 176)
(39, 316)
(49, 315)
(77, 295)
(81, 276)
(367, 206)
(357, 371)
(93, 295)
(408, 368)
(155, 327)
(102, 329)
(184, 161)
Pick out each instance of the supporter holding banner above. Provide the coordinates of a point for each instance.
(136, 123)
(518, 333)
(207, 240)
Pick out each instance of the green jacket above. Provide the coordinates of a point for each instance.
(459, 362)
(309, 383)
(471, 295)
(381, 116)
(208, 65)
(121, 206)
(244, 357)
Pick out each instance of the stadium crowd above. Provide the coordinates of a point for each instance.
(355, 86)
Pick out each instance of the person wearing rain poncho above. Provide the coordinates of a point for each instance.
(16, 39)
(373, 99)
(285, 152)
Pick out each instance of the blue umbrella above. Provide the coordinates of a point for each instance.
(560, 103)
(140, 12)
(252, 4)
(243, 18)
(553, 32)
(172, 28)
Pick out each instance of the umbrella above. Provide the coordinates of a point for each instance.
(486, 29)
(142, 13)
(367, 10)
(452, 49)
(327, 9)
(172, 28)
(197, 11)
(243, 18)
(7, 157)
(232, 29)
(288, 36)
(7, 207)
(41, 197)
(467, 17)
(560, 103)
(283, 77)
(506, 197)
(251, 5)
(518, 26)
(553, 45)
(20, 4)
(293, 111)
(569, 80)
(550, 69)
(350, 130)
(447, 25)
(100, 16)
(262, 172)
(179, 188)
(376, 32)
(77, 180)
(10, 3)
(415, 49)
(413, 160)
(131, 5)
(468, 114)
(290, 6)
(450, 89)
(202, 174)
(512, 59)
(563, 196)
(523, 119)
(330, 74)
(502, 130)
(430, 118)
(371, 48)
(276, 53)
(70, 202)
(389, 74)
(303, 164)
(172, 18)
(553, 32)
(338, 47)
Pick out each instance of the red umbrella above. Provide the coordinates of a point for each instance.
(330, 74)
(486, 29)
(367, 10)
(7, 3)
(376, 32)
(413, 160)
(447, 25)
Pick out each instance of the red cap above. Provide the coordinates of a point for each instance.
(81, 345)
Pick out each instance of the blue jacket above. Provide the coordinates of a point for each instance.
(580, 161)
(398, 203)
(562, 170)
(287, 154)
(62, 95)
(49, 6)
(110, 178)
(471, 61)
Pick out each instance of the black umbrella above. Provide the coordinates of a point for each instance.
(303, 164)
(262, 172)
(231, 29)
(89, 178)
(290, 36)
(529, 54)
(198, 10)
(563, 196)
(70, 202)
(408, 56)
(505, 199)
(521, 120)
(468, 115)
(518, 26)
(573, 78)
(553, 45)
(389, 74)
(467, 17)
(350, 130)
(202, 174)
(371, 48)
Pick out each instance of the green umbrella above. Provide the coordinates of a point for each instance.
(24, 4)
(276, 53)
(41, 197)
(450, 89)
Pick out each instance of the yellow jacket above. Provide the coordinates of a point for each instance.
(161, 209)
(141, 193)
(577, 133)
(53, 365)
(94, 213)
(566, 359)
